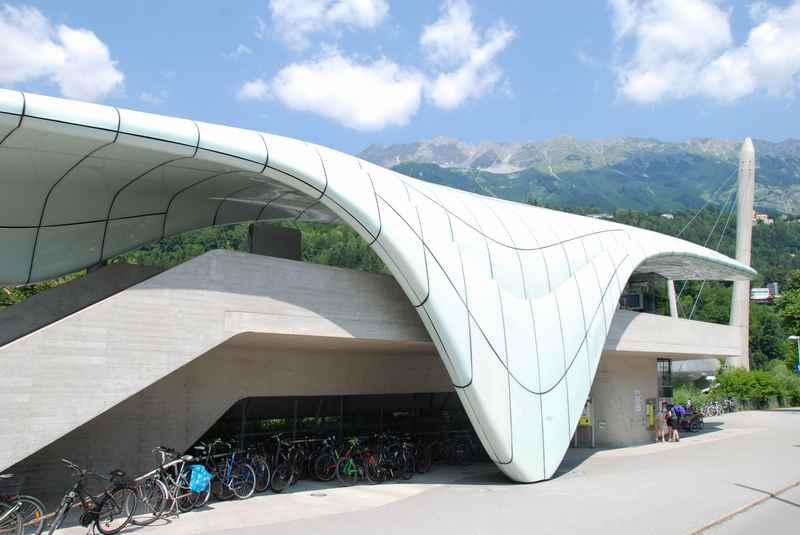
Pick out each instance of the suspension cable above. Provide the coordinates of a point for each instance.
(730, 199)
(719, 246)
(708, 202)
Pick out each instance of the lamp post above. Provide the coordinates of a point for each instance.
(796, 338)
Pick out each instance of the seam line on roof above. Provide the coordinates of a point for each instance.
(119, 191)
(19, 123)
(281, 171)
(50, 191)
(77, 124)
(86, 222)
(193, 184)
(375, 196)
(488, 342)
(266, 205)
(229, 196)
(266, 159)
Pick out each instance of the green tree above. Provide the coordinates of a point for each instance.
(768, 339)
(789, 306)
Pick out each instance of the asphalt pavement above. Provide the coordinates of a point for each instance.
(722, 481)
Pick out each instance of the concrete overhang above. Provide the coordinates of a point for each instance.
(664, 336)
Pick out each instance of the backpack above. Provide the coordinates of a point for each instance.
(200, 478)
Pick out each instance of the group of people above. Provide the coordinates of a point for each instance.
(668, 422)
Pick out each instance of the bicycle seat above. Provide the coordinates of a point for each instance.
(187, 458)
(117, 473)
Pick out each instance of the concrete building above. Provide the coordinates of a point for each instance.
(511, 307)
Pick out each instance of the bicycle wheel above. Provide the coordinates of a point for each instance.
(116, 511)
(348, 471)
(31, 513)
(261, 468)
(243, 481)
(325, 467)
(199, 499)
(405, 469)
(11, 524)
(152, 501)
(298, 461)
(372, 470)
(183, 490)
(281, 477)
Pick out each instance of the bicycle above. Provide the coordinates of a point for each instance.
(166, 489)
(10, 519)
(232, 477)
(110, 511)
(283, 473)
(326, 459)
(350, 466)
(30, 510)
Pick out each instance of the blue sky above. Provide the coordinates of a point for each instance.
(349, 73)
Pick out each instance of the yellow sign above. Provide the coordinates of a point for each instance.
(585, 420)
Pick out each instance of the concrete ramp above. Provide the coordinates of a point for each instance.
(61, 301)
(62, 376)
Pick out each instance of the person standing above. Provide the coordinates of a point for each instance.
(661, 423)
(673, 423)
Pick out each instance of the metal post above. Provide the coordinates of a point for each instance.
(341, 417)
(673, 301)
(243, 426)
(294, 421)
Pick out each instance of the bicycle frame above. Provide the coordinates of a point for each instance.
(11, 510)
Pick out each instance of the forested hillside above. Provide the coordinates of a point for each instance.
(639, 174)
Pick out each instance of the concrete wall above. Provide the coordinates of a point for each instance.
(619, 376)
(179, 408)
(668, 337)
(60, 377)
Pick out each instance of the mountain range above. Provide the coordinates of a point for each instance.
(634, 173)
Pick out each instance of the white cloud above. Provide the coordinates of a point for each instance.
(153, 98)
(74, 59)
(769, 60)
(257, 89)
(453, 42)
(359, 95)
(295, 20)
(371, 94)
(240, 50)
(450, 40)
(684, 48)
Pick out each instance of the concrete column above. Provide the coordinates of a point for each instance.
(740, 298)
(673, 301)
(272, 240)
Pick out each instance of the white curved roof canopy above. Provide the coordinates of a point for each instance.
(518, 299)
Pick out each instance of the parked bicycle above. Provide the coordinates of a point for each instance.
(232, 476)
(19, 509)
(110, 511)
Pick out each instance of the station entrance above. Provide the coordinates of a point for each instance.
(424, 417)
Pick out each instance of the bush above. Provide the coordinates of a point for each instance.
(787, 381)
(759, 386)
(683, 393)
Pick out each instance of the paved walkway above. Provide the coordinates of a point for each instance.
(658, 488)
